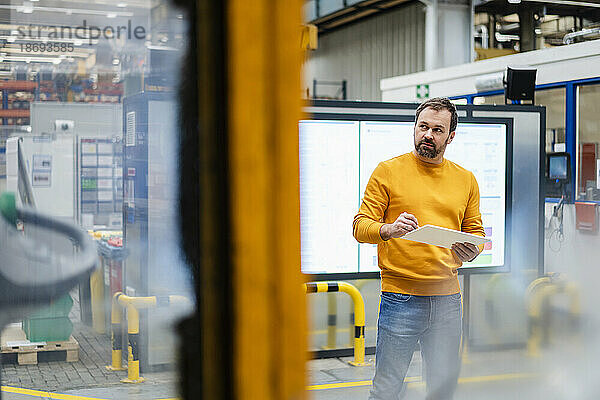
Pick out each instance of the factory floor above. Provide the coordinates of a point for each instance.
(565, 371)
(87, 378)
(508, 374)
(497, 375)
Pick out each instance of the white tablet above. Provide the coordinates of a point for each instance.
(443, 237)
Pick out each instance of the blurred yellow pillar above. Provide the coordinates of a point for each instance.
(97, 300)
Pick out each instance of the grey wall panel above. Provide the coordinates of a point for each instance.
(386, 45)
(91, 119)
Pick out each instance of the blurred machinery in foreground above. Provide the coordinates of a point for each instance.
(34, 270)
(542, 311)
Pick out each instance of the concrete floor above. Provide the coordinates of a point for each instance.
(157, 386)
(54, 378)
(567, 372)
(500, 375)
(497, 375)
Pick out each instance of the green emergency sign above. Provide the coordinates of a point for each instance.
(422, 91)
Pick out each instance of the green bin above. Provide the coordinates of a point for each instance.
(51, 323)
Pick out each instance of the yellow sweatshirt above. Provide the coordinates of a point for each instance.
(443, 194)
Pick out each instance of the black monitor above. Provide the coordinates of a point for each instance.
(559, 167)
(558, 174)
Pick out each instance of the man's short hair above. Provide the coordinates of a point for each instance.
(440, 103)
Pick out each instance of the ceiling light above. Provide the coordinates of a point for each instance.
(122, 5)
(116, 61)
(514, 1)
(111, 15)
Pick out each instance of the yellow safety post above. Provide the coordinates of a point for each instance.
(133, 305)
(133, 347)
(544, 280)
(331, 321)
(97, 300)
(116, 316)
(358, 286)
(535, 317)
(359, 313)
(535, 295)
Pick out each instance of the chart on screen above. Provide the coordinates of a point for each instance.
(337, 158)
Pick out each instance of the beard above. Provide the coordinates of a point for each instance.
(428, 152)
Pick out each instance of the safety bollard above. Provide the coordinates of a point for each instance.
(97, 300)
(538, 292)
(535, 318)
(534, 304)
(133, 346)
(331, 321)
(358, 286)
(116, 337)
(133, 305)
(359, 313)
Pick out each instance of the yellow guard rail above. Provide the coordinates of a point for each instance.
(359, 313)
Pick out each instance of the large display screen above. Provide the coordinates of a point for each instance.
(336, 161)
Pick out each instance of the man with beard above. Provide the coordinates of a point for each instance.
(420, 294)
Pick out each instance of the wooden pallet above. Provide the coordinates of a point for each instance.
(27, 352)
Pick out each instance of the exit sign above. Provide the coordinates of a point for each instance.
(422, 91)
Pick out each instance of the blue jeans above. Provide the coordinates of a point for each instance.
(404, 320)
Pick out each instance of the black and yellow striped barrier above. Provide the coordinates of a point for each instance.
(359, 313)
(359, 285)
(133, 305)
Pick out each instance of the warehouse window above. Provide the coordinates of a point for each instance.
(588, 138)
(555, 103)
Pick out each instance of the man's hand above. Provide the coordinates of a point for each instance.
(465, 251)
(401, 226)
